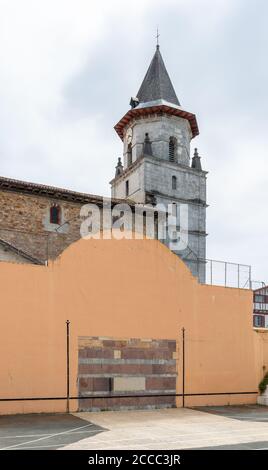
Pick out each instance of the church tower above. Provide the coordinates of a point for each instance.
(157, 165)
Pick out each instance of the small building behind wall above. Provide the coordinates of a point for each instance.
(260, 309)
(127, 302)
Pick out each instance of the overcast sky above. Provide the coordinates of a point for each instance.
(69, 67)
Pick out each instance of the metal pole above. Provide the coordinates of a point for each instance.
(68, 364)
(183, 366)
(211, 272)
(47, 246)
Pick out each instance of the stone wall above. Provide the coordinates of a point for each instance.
(160, 128)
(110, 367)
(135, 177)
(25, 217)
(24, 223)
(151, 177)
(8, 255)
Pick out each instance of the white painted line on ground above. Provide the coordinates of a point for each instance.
(87, 432)
(39, 447)
(35, 435)
(46, 437)
(25, 435)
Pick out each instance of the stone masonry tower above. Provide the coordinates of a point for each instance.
(157, 167)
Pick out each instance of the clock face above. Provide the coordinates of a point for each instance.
(129, 135)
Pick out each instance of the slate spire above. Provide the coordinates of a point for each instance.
(156, 84)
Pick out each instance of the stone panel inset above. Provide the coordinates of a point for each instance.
(126, 373)
(128, 384)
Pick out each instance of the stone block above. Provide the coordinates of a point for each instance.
(117, 354)
(128, 384)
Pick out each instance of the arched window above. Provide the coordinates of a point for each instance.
(172, 149)
(174, 182)
(55, 214)
(129, 154)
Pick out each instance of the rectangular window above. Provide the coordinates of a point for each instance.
(174, 210)
(258, 321)
(127, 188)
(55, 215)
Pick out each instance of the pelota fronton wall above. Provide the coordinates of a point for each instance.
(137, 295)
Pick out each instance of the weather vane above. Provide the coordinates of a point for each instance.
(157, 37)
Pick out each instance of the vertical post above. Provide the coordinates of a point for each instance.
(211, 271)
(238, 276)
(47, 246)
(68, 365)
(183, 367)
(225, 274)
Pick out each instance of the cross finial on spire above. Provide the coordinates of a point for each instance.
(157, 38)
(156, 84)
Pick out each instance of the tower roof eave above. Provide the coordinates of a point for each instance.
(165, 109)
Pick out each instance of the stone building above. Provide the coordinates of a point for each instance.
(156, 134)
(37, 222)
(260, 307)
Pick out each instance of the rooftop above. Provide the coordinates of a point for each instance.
(156, 85)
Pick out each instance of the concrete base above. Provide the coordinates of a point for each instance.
(177, 428)
(263, 399)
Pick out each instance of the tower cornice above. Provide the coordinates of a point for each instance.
(140, 112)
(156, 161)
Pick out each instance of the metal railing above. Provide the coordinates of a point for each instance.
(257, 285)
(227, 274)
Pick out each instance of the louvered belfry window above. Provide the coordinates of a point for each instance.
(172, 149)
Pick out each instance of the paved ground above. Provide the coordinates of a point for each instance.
(178, 429)
(262, 445)
(233, 427)
(243, 413)
(43, 431)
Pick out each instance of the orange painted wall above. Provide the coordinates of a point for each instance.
(127, 288)
(261, 350)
